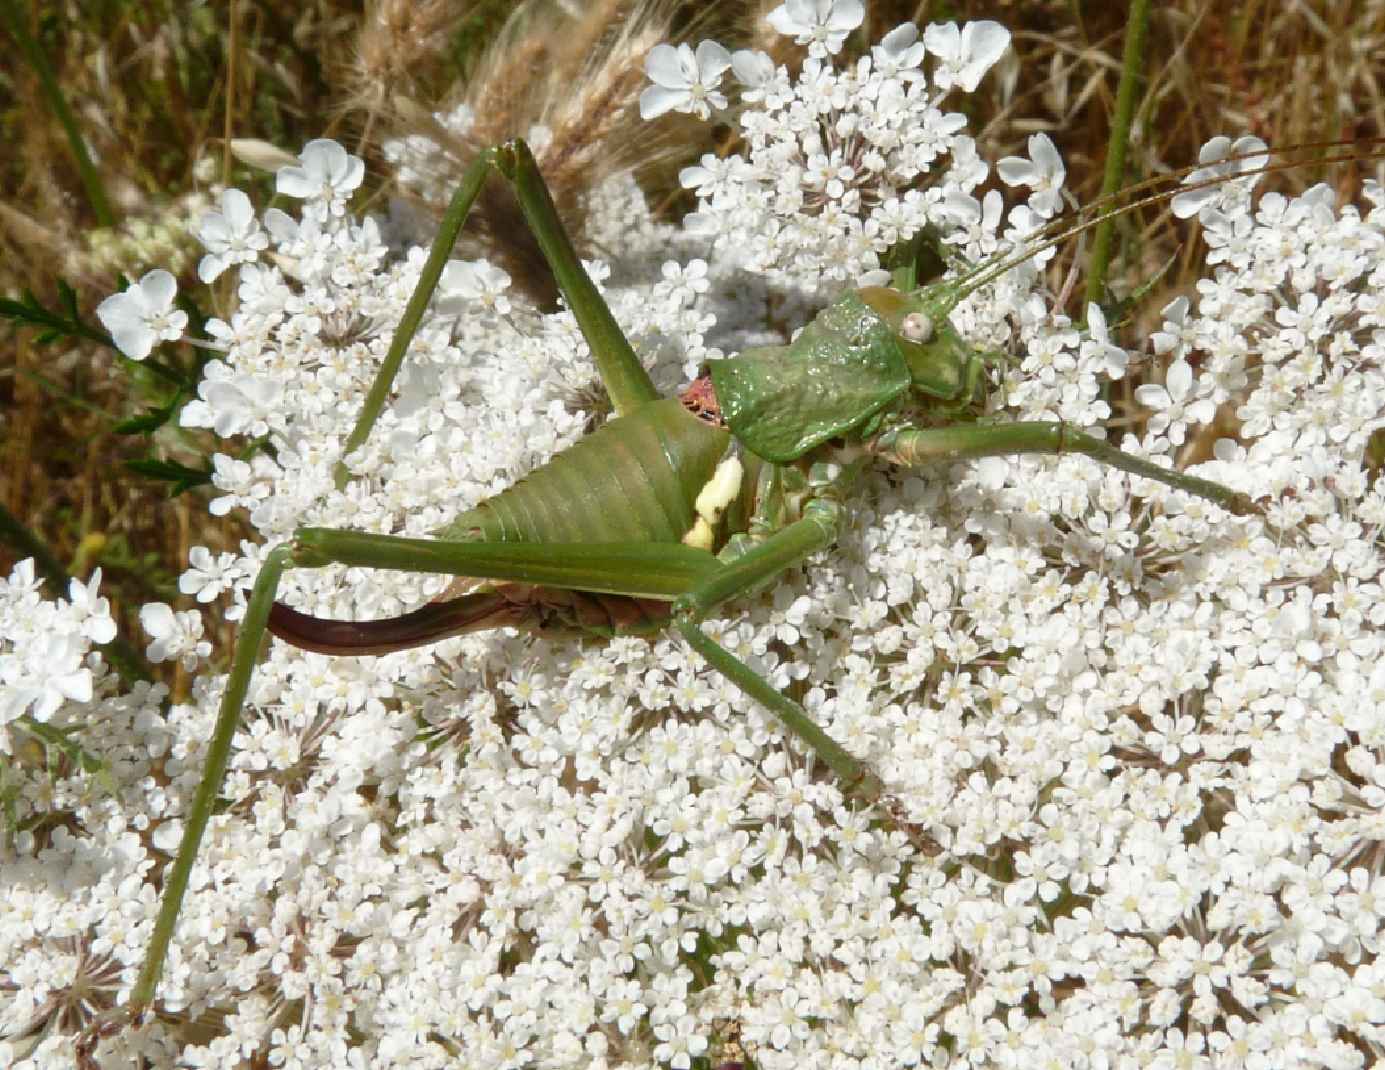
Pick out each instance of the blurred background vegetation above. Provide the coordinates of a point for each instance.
(156, 89)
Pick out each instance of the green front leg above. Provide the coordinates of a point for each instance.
(782, 550)
(621, 371)
(915, 446)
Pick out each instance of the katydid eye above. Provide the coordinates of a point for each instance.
(916, 327)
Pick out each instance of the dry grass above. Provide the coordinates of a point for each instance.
(157, 91)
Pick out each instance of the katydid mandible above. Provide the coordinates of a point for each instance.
(671, 508)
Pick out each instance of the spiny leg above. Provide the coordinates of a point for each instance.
(816, 531)
(695, 580)
(199, 812)
(639, 569)
(625, 379)
(621, 371)
(916, 446)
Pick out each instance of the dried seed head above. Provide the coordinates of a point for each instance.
(398, 40)
(568, 84)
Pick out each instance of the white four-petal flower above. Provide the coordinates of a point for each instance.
(175, 635)
(143, 314)
(684, 80)
(1043, 172)
(232, 236)
(822, 25)
(327, 172)
(1179, 402)
(964, 53)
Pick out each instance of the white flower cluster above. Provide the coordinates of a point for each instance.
(829, 178)
(1134, 749)
(46, 659)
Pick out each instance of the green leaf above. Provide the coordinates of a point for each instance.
(179, 477)
(52, 324)
(150, 420)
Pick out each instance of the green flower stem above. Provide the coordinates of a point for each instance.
(1132, 62)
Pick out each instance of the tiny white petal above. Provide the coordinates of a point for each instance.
(156, 618)
(159, 287)
(168, 836)
(752, 68)
(1179, 379)
(667, 66)
(713, 60)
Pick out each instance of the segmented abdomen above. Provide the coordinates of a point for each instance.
(634, 479)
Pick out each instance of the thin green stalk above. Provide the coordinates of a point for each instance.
(1132, 63)
(91, 177)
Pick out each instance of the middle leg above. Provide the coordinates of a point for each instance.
(917, 446)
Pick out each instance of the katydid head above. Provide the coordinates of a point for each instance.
(948, 374)
(941, 365)
(858, 356)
